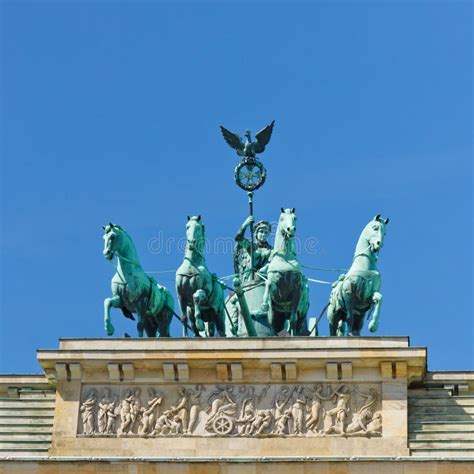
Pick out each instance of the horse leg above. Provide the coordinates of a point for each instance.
(218, 308)
(333, 320)
(220, 321)
(342, 327)
(198, 298)
(151, 331)
(292, 321)
(192, 320)
(374, 322)
(337, 322)
(164, 321)
(140, 324)
(184, 315)
(114, 302)
(266, 294)
(301, 325)
(272, 319)
(210, 328)
(149, 325)
(358, 322)
(301, 313)
(278, 319)
(292, 324)
(348, 306)
(296, 295)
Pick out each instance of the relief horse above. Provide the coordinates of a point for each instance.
(133, 290)
(286, 290)
(358, 291)
(200, 294)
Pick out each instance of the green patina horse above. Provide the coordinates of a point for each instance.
(133, 290)
(200, 294)
(358, 291)
(286, 290)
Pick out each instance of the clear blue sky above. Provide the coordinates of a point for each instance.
(110, 112)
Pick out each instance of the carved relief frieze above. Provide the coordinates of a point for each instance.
(274, 410)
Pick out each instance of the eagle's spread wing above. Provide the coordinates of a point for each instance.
(233, 140)
(263, 137)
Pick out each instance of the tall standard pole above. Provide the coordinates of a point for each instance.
(252, 272)
(249, 175)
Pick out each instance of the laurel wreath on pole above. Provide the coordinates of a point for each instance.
(250, 174)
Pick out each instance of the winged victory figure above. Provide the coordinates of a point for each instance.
(249, 148)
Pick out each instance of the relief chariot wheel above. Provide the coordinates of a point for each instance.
(250, 174)
(223, 425)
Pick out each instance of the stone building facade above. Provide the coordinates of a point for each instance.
(300, 404)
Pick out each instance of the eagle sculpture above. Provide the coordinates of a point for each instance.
(249, 148)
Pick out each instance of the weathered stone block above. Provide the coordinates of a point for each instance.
(276, 371)
(290, 371)
(114, 372)
(75, 371)
(183, 372)
(236, 372)
(222, 372)
(61, 371)
(386, 370)
(346, 370)
(168, 371)
(332, 371)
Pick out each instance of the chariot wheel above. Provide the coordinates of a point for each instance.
(223, 425)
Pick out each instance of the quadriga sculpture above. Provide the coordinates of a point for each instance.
(201, 296)
(133, 290)
(358, 291)
(286, 290)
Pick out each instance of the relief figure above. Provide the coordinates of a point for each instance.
(167, 423)
(281, 400)
(263, 420)
(106, 413)
(195, 405)
(135, 410)
(148, 413)
(375, 426)
(247, 417)
(125, 412)
(365, 414)
(180, 409)
(297, 412)
(88, 409)
(281, 425)
(338, 415)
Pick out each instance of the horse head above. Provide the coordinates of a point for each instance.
(374, 233)
(287, 223)
(195, 234)
(113, 240)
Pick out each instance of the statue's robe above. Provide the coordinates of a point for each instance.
(242, 260)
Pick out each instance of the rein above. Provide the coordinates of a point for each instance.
(363, 254)
(284, 250)
(130, 261)
(116, 267)
(117, 271)
(189, 259)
